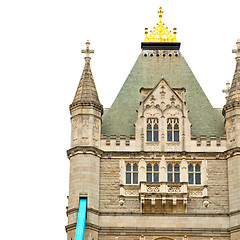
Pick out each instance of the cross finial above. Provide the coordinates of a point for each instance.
(237, 51)
(227, 90)
(160, 14)
(160, 33)
(87, 51)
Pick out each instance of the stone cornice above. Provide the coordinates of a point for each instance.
(95, 105)
(105, 154)
(73, 226)
(230, 107)
(140, 154)
(173, 214)
(234, 229)
(218, 232)
(233, 151)
(70, 227)
(84, 150)
(74, 210)
(233, 213)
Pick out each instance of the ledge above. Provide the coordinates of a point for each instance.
(160, 45)
(84, 150)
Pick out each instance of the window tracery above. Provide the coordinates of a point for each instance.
(173, 130)
(152, 130)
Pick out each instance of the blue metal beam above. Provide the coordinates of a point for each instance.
(82, 212)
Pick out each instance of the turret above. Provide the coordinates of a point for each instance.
(231, 112)
(86, 109)
(84, 154)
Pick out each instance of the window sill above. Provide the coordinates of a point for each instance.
(152, 142)
(172, 142)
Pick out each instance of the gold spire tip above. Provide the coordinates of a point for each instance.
(160, 33)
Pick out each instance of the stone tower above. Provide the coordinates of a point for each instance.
(86, 111)
(161, 163)
(231, 112)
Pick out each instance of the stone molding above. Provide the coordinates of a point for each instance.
(94, 105)
(84, 150)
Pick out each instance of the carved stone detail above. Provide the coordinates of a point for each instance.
(174, 189)
(131, 192)
(195, 193)
(153, 189)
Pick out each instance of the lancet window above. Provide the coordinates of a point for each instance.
(194, 173)
(173, 130)
(152, 130)
(132, 173)
(153, 173)
(173, 173)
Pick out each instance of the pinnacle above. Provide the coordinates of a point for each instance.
(86, 93)
(233, 98)
(234, 93)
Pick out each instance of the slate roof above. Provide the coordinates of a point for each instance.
(86, 92)
(234, 93)
(147, 71)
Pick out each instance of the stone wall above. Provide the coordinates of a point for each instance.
(217, 185)
(109, 189)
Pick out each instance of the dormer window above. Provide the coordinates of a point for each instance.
(173, 130)
(152, 129)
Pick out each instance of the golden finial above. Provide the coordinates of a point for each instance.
(160, 14)
(160, 33)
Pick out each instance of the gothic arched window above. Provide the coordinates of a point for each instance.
(152, 129)
(173, 173)
(194, 173)
(173, 130)
(131, 173)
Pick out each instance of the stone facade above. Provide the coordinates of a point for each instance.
(162, 182)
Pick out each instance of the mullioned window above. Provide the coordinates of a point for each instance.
(152, 130)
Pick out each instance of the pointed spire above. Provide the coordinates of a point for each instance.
(233, 99)
(86, 93)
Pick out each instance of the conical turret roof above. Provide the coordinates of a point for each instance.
(234, 92)
(86, 93)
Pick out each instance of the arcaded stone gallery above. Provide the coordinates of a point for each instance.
(161, 163)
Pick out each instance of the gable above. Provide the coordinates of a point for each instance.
(162, 91)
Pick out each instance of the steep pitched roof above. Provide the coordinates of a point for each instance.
(234, 92)
(146, 72)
